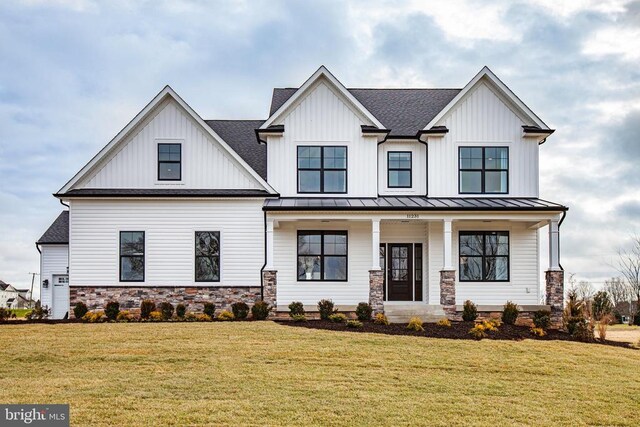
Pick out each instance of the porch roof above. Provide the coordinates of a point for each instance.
(412, 203)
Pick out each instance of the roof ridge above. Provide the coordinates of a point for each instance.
(383, 88)
(234, 120)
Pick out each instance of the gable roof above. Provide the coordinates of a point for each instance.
(165, 93)
(58, 231)
(403, 111)
(240, 135)
(3, 285)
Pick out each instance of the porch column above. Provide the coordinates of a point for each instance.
(269, 289)
(448, 273)
(375, 244)
(554, 277)
(448, 261)
(554, 245)
(269, 245)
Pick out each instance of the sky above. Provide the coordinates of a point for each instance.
(74, 72)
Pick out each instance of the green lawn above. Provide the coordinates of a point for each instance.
(20, 312)
(262, 373)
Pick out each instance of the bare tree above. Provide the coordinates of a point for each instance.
(618, 290)
(585, 290)
(628, 265)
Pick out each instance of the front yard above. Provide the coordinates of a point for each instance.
(263, 373)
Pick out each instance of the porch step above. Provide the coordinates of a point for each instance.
(402, 313)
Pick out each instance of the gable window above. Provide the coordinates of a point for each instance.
(399, 169)
(169, 162)
(484, 256)
(322, 256)
(322, 169)
(132, 256)
(484, 170)
(207, 260)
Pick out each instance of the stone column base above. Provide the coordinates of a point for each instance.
(448, 292)
(269, 289)
(376, 291)
(555, 295)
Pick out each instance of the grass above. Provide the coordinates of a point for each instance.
(20, 312)
(262, 373)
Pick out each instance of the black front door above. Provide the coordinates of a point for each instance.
(400, 272)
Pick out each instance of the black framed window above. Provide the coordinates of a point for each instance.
(207, 256)
(132, 256)
(483, 170)
(322, 169)
(484, 256)
(322, 256)
(399, 169)
(169, 162)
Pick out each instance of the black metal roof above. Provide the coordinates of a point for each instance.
(403, 111)
(240, 135)
(404, 203)
(161, 192)
(58, 232)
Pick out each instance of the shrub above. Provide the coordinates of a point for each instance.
(226, 315)
(146, 307)
(542, 319)
(125, 316)
(603, 324)
(299, 318)
(573, 313)
(112, 309)
(469, 311)
(381, 319)
(325, 307)
(155, 316)
(80, 310)
(201, 317)
(493, 323)
(415, 324)
(364, 311)
(478, 331)
(5, 314)
(584, 331)
(260, 310)
(240, 310)
(510, 313)
(338, 318)
(444, 322)
(38, 313)
(296, 307)
(181, 310)
(354, 324)
(209, 309)
(166, 308)
(636, 319)
(538, 331)
(601, 305)
(191, 317)
(93, 317)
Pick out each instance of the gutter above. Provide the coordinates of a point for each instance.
(564, 215)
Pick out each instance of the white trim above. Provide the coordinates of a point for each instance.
(320, 73)
(486, 73)
(164, 93)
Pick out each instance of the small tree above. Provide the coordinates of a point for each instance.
(601, 305)
(628, 265)
(469, 311)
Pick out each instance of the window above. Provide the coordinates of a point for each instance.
(417, 265)
(322, 255)
(399, 169)
(484, 256)
(169, 162)
(207, 260)
(322, 169)
(484, 170)
(132, 256)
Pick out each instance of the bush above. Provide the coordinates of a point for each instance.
(296, 307)
(381, 319)
(146, 307)
(573, 313)
(444, 322)
(603, 324)
(636, 319)
(415, 324)
(226, 315)
(112, 309)
(538, 331)
(542, 319)
(156, 316)
(478, 331)
(469, 311)
(584, 331)
(338, 318)
(125, 316)
(510, 313)
(80, 310)
(601, 305)
(209, 310)
(260, 310)
(299, 318)
(38, 313)
(181, 310)
(240, 310)
(491, 325)
(354, 324)
(364, 311)
(93, 316)
(5, 314)
(166, 308)
(325, 307)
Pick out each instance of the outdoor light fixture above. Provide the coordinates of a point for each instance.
(45, 283)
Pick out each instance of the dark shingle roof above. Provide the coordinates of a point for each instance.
(58, 232)
(163, 192)
(240, 135)
(404, 111)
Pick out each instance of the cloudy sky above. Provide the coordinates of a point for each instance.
(74, 72)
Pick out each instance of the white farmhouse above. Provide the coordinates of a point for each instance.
(413, 200)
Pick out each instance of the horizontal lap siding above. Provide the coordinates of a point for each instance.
(359, 263)
(169, 237)
(54, 260)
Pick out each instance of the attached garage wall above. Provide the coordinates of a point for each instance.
(54, 260)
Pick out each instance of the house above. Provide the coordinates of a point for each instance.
(10, 297)
(414, 200)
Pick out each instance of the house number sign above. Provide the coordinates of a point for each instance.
(413, 216)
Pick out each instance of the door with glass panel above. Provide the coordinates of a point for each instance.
(400, 272)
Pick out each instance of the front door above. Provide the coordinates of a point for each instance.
(60, 304)
(400, 272)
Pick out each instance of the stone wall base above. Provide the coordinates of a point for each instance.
(376, 291)
(194, 298)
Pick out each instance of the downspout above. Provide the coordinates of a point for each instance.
(265, 257)
(564, 214)
(64, 204)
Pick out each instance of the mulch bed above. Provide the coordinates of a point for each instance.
(457, 330)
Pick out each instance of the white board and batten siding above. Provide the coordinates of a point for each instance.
(53, 262)
(482, 118)
(418, 167)
(169, 227)
(322, 117)
(205, 163)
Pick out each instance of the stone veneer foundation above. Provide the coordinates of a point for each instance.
(555, 295)
(376, 291)
(270, 287)
(193, 297)
(448, 293)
